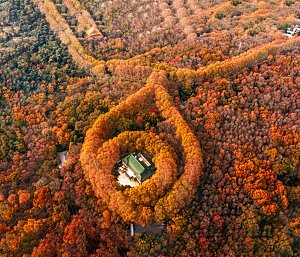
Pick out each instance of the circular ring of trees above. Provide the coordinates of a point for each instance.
(148, 193)
(166, 192)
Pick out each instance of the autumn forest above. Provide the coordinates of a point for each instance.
(209, 89)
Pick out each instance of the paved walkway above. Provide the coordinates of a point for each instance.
(125, 181)
(154, 228)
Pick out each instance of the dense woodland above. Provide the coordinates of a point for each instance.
(225, 139)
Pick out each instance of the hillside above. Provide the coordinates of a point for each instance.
(209, 89)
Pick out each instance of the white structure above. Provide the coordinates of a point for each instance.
(62, 156)
(292, 31)
(131, 229)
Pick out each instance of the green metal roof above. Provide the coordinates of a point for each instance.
(135, 164)
(141, 170)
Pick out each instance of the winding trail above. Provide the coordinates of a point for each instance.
(99, 67)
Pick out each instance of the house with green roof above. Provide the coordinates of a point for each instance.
(138, 166)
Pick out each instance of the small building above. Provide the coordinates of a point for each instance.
(62, 158)
(138, 166)
(93, 33)
(292, 31)
(131, 229)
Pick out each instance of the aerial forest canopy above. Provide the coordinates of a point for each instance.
(209, 89)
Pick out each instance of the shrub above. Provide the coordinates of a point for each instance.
(220, 15)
